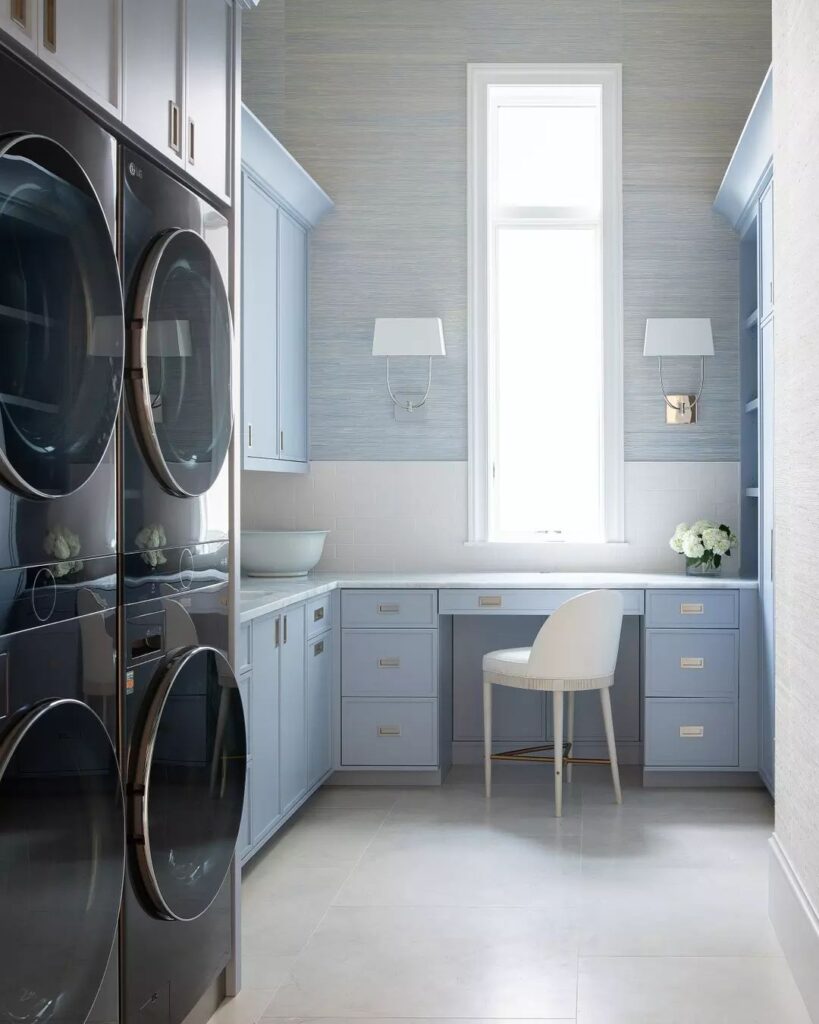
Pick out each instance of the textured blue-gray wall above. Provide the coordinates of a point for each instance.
(370, 95)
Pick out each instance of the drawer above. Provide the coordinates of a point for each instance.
(693, 609)
(521, 601)
(244, 657)
(389, 608)
(692, 662)
(691, 733)
(319, 615)
(389, 663)
(391, 732)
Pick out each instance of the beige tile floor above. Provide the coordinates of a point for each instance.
(429, 905)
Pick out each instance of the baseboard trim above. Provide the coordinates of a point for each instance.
(386, 777)
(796, 923)
(671, 778)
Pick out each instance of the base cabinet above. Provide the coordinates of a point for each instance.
(319, 709)
(292, 711)
(265, 807)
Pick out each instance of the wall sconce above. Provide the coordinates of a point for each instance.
(679, 337)
(408, 336)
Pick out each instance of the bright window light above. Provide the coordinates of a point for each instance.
(545, 303)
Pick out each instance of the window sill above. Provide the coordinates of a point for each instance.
(537, 542)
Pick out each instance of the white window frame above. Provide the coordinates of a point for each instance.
(479, 79)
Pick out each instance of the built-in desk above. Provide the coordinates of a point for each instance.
(407, 652)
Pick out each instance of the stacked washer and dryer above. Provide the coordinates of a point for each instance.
(122, 735)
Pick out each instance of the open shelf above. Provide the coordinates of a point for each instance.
(751, 492)
(752, 406)
(752, 320)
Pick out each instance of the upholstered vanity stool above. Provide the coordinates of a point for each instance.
(575, 649)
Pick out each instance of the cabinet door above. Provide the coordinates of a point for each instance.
(292, 711)
(82, 40)
(292, 339)
(319, 708)
(19, 19)
(260, 228)
(207, 92)
(153, 73)
(766, 533)
(264, 731)
(243, 841)
(766, 267)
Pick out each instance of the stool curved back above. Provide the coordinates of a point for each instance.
(580, 640)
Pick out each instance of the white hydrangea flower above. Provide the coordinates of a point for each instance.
(712, 538)
(693, 546)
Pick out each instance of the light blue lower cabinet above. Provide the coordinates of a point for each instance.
(292, 710)
(691, 733)
(319, 708)
(389, 663)
(692, 663)
(389, 732)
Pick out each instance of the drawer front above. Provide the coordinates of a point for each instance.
(692, 662)
(319, 615)
(517, 602)
(691, 733)
(389, 733)
(389, 663)
(244, 655)
(389, 608)
(693, 609)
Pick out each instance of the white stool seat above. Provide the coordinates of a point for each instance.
(575, 650)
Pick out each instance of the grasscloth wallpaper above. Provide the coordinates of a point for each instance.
(370, 95)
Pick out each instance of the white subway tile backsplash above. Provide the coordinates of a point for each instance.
(412, 516)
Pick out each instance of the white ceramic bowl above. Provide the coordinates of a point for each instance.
(281, 552)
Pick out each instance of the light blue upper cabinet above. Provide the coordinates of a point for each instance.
(260, 325)
(766, 270)
(282, 204)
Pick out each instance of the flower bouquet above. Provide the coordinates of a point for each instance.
(704, 544)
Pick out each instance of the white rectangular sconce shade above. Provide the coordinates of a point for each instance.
(680, 336)
(408, 336)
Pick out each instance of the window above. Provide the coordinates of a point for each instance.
(545, 303)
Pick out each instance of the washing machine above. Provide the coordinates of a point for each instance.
(61, 324)
(184, 729)
(62, 825)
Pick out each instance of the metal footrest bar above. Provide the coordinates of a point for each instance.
(531, 754)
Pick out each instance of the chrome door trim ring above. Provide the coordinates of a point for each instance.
(137, 374)
(142, 774)
(8, 473)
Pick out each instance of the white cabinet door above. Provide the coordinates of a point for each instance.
(153, 73)
(19, 19)
(82, 40)
(292, 340)
(208, 119)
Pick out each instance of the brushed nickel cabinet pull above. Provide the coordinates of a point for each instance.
(250, 435)
(692, 732)
(692, 608)
(389, 609)
(285, 629)
(389, 730)
(281, 440)
(319, 648)
(277, 632)
(191, 140)
(494, 601)
(50, 25)
(692, 662)
(173, 126)
(18, 12)
(318, 614)
(389, 662)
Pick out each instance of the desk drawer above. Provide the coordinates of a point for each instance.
(692, 662)
(389, 733)
(389, 608)
(521, 601)
(389, 663)
(319, 615)
(691, 733)
(693, 609)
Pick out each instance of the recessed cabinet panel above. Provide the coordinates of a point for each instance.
(207, 92)
(265, 807)
(154, 88)
(292, 340)
(292, 710)
(19, 19)
(260, 226)
(319, 708)
(82, 41)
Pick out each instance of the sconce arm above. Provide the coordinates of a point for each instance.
(696, 399)
(409, 406)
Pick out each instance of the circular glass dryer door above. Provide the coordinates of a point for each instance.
(189, 783)
(62, 861)
(180, 364)
(61, 321)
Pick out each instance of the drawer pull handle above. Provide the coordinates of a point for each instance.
(277, 632)
(389, 609)
(318, 614)
(389, 662)
(490, 602)
(692, 732)
(389, 730)
(692, 662)
(692, 609)
(319, 648)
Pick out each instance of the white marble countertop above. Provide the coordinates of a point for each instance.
(260, 596)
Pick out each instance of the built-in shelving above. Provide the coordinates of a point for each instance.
(752, 406)
(751, 321)
(751, 492)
